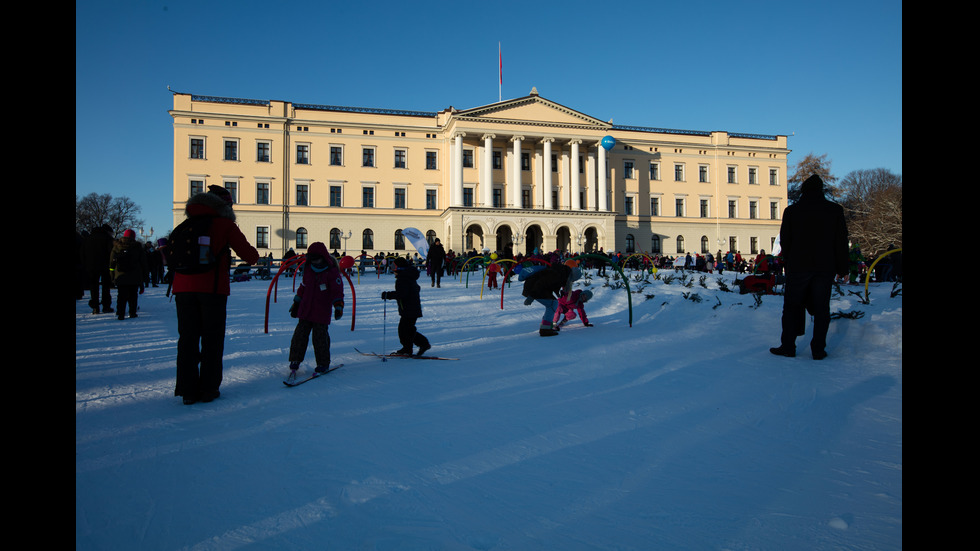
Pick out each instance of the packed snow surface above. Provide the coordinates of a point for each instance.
(679, 431)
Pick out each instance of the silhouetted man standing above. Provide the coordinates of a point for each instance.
(813, 237)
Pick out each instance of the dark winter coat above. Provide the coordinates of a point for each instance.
(320, 291)
(436, 256)
(96, 250)
(407, 292)
(127, 262)
(224, 232)
(813, 235)
(547, 284)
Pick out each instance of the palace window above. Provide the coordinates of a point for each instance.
(302, 153)
(197, 148)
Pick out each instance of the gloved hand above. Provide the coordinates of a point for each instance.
(294, 309)
(528, 301)
(338, 310)
(385, 295)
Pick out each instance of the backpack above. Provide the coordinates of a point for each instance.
(127, 260)
(189, 250)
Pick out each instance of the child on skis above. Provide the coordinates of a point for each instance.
(319, 297)
(409, 307)
(571, 306)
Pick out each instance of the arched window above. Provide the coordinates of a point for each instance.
(334, 238)
(680, 244)
(302, 238)
(655, 245)
(399, 241)
(367, 239)
(630, 243)
(704, 244)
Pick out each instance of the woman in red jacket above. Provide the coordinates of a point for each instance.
(202, 300)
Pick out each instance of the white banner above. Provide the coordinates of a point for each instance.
(417, 239)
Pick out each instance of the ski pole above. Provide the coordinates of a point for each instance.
(384, 330)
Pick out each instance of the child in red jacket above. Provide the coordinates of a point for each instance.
(492, 270)
(319, 297)
(569, 305)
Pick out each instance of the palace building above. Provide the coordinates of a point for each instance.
(528, 172)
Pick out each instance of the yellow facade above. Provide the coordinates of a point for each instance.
(524, 171)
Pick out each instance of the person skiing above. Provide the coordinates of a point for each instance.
(319, 298)
(407, 293)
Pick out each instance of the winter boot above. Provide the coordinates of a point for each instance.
(784, 350)
(547, 330)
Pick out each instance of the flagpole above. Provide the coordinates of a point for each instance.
(500, 86)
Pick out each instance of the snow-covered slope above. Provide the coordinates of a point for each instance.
(679, 432)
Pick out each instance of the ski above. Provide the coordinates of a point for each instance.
(407, 356)
(297, 382)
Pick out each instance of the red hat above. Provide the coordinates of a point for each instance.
(129, 233)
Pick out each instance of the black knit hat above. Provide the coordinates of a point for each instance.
(221, 192)
(812, 184)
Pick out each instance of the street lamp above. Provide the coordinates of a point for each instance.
(345, 238)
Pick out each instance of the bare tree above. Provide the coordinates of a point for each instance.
(96, 209)
(872, 201)
(808, 166)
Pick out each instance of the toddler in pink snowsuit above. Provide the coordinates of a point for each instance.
(572, 304)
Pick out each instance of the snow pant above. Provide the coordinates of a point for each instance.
(100, 281)
(301, 340)
(126, 297)
(200, 344)
(436, 274)
(806, 292)
(408, 335)
(550, 306)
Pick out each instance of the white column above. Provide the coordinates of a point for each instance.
(456, 195)
(486, 183)
(546, 177)
(576, 183)
(515, 184)
(603, 203)
(590, 172)
(564, 185)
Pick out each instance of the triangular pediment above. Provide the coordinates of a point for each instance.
(533, 110)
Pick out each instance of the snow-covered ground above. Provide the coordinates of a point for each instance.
(680, 432)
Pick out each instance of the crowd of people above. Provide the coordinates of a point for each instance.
(104, 262)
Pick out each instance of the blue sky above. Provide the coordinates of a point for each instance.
(826, 74)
